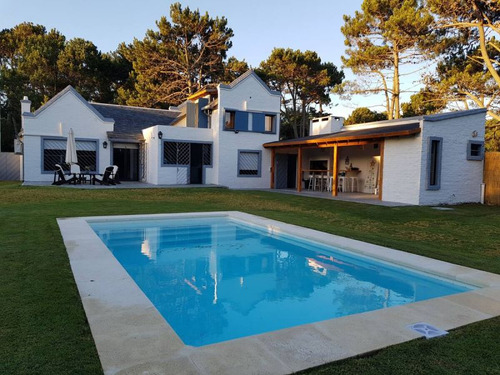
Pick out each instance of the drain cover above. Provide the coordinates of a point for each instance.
(428, 330)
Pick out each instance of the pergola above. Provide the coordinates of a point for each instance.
(344, 138)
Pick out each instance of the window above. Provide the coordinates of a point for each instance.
(318, 165)
(229, 120)
(249, 163)
(179, 153)
(207, 154)
(434, 163)
(54, 152)
(176, 153)
(269, 123)
(475, 150)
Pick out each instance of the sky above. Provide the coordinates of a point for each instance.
(258, 27)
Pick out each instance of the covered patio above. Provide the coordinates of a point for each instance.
(349, 163)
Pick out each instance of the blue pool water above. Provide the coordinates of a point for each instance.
(216, 279)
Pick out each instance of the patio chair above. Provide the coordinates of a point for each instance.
(107, 177)
(60, 177)
(115, 174)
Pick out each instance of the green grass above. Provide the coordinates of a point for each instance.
(43, 329)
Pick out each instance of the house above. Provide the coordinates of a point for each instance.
(215, 137)
(426, 160)
(228, 135)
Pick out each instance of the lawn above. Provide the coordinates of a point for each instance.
(43, 329)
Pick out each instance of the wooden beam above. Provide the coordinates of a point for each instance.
(299, 170)
(335, 172)
(339, 144)
(381, 169)
(273, 166)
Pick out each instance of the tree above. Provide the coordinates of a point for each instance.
(362, 114)
(233, 68)
(28, 66)
(425, 102)
(492, 135)
(384, 36)
(40, 63)
(303, 80)
(177, 59)
(468, 70)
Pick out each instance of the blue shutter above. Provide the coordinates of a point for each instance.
(241, 121)
(258, 122)
(202, 117)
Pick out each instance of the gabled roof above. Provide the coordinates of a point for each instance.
(132, 120)
(244, 76)
(68, 89)
(346, 136)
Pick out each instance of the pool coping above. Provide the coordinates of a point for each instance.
(132, 337)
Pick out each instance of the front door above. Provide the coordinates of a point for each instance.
(126, 158)
(196, 165)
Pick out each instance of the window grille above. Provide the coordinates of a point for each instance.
(207, 154)
(54, 152)
(249, 163)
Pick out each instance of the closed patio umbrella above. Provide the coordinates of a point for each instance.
(71, 157)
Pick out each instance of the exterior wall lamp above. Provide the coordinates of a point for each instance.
(104, 144)
(160, 135)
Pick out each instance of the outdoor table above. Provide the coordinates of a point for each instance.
(91, 176)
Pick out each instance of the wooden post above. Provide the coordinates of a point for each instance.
(381, 169)
(273, 166)
(299, 169)
(335, 172)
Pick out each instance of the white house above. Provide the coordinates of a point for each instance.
(215, 137)
(427, 160)
(228, 135)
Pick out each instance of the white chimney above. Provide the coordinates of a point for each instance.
(326, 125)
(25, 105)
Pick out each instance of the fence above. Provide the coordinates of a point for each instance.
(10, 166)
(492, 178)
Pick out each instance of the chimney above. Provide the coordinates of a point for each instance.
(25, 105)
(326, 125)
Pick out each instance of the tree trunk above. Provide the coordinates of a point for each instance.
(303, 122)
(482, 46)
(395, 85)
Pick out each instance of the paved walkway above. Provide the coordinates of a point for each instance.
(348, 197)
(122, 185)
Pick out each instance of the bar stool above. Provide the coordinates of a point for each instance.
(353, 182)
(312, 183)
(342, 181)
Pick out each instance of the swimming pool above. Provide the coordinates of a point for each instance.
(219, 278)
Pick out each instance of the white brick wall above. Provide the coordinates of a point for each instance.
(460, 178)
(402, 168)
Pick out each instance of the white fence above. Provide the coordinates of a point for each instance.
(10, 166)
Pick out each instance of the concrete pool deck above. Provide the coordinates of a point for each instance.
(133, 338)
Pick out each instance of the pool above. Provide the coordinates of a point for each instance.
(220, 278)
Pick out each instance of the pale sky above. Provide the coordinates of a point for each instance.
(258, 25)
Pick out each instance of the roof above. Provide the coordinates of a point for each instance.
(249, 73)
(131, 120)
(209, 89)
(346, 136)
